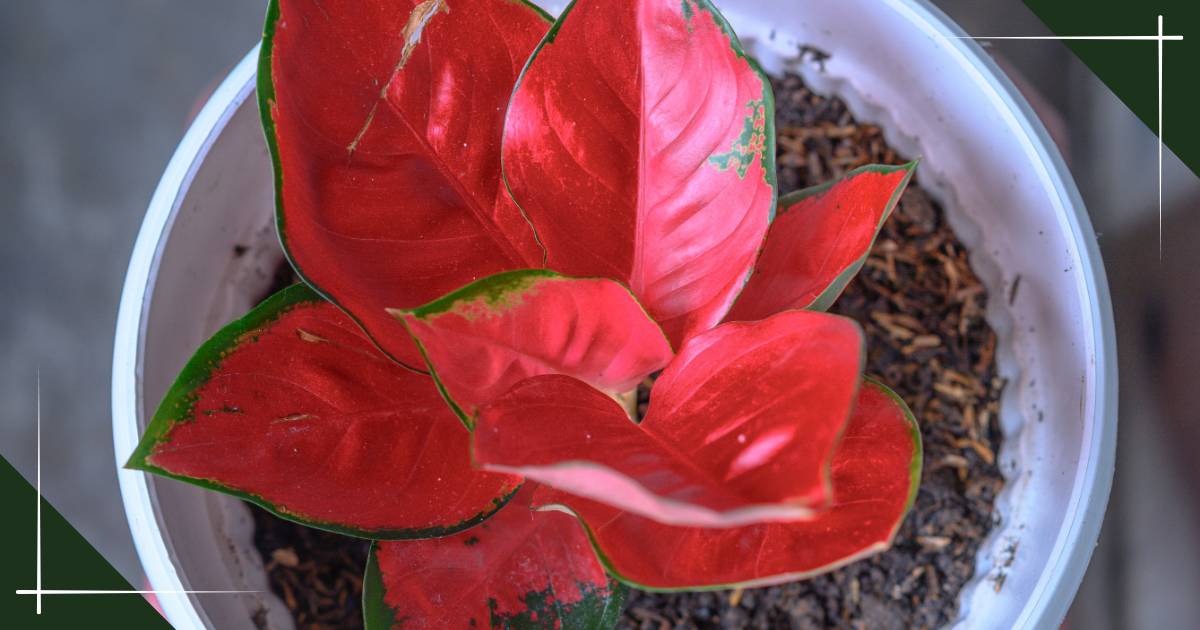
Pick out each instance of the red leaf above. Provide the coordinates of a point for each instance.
(819, 239)
(481, 340)
(520, 569)
(294, 408)
(875, 475)
(385, 121)
(741, 427)
(640, 144)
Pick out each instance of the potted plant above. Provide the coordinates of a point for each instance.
(457, 387)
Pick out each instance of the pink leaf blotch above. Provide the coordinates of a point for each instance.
(875, 474)
(740, 428)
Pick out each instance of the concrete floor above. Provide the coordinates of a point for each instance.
(95, 95)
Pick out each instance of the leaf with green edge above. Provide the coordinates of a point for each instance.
(819, 239)
(482, 339)
(741, 427)
(377, 614)
(520, 570)
(293, 407)
(876, 471)
(384, 122)
(640, 144)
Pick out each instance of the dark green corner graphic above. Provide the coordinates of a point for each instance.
(1130, 68)
(68, 563)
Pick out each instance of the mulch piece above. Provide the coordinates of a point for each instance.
(922, 310)
(317, 574)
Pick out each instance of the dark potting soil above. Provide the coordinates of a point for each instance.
(922, 310)
(318, 574)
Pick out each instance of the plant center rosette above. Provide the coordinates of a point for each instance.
(504, 222)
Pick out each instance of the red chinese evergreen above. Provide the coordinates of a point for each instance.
(504, 223)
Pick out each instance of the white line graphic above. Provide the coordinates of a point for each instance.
(1148, 38)
(1160, 38)
(39, 490)
(39, 591)
(1160, 143)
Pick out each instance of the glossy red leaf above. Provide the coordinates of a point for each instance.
(875, 475)
(384, 120)
(741, 427)
(294, 408)
(640, 144)
(819, 239)
(481, 340)
(520, 569)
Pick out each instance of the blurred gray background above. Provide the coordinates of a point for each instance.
(95, 95)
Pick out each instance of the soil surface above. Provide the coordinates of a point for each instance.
(318, 574)
(922, 310)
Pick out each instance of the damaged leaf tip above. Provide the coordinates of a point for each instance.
(420, 16)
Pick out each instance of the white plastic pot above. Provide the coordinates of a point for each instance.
(898, 64)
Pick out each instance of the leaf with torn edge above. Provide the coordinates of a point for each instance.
(384, 121)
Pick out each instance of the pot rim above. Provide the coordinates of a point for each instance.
(141, 507)
(1055, 585)
(1053, 593)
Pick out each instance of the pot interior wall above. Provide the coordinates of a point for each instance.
(216, 260)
